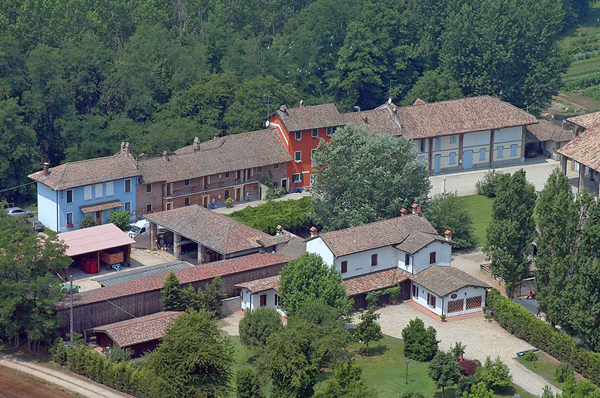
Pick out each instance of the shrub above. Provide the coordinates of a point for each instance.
(488, 185)
(120, 218)
(292, 215)
(467, 368)
(373, 297)
(563, 372)
(248, 384)
(420, 344)
(118, 354)
(450, 213)
(494, 374)
(229, 202)
(464, 384)
(274, 193)
(531, 357)
(412, 394)
(87, 221)
(256, 327)
(525, 325)
(394, 293)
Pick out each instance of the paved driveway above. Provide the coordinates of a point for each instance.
(481, 338)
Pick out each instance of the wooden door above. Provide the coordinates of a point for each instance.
(238, 194)
(99, 217)
(205, 201)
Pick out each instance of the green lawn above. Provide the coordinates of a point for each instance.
(384, 370)
(545, 366)
(480, 209)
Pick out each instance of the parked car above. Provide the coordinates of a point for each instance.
(36, 225)
(18, 212)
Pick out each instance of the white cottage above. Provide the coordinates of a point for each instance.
(260, 293)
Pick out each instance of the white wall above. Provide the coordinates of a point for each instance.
(319, 247)
(508, 134)
(442, 302)
(443, 256)
(360, 263)
(47, 207)
(421, 299)
(477, 139)
(252, 301)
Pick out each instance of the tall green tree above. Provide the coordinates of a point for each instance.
(494, 374)
(420, 343)
(346, 382)
(257, 326)
(478, 391)
(308, 278)
(193, 359)
(511, 231)
(361, 177)
(444, 370)
(368, 329)
(450, 213)
(434, 85)
(171, 294)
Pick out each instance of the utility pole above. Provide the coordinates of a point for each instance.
(71, 305)
(407, 362)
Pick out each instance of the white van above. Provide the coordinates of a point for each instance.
(139, 228)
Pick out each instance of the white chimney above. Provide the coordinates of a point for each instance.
(127, 149)
(448, 234)
(165, 156)
(196, 143)
(122, 147)
(279, 231)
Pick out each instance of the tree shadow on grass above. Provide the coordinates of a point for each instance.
(509, 391)
(450, 393)
(252, 359)
(376, 350)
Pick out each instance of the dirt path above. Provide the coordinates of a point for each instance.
(577, 100)
(15, 384)
(77, 385)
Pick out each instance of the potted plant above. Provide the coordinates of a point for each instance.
(69, 225)
(229, 202)
(177, 192)
(443, 317)
(394, 293)
(372, 298)
(195, 188)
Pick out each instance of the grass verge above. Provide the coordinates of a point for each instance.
(480, 210)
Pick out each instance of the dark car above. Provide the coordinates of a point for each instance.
(36, 225)
(18, 212)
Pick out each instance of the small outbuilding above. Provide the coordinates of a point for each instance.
(261, 293)
(89, 247)
(140, 334)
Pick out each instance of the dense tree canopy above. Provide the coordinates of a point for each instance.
(78, 77)
(361, 177)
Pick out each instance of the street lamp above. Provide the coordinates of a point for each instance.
(407, 362)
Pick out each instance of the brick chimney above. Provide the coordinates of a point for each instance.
(279, 230)
(196, 144)
(448, 234)
(314, 232)
(165, 156)
(45, 171)
(414, 207)
(284, 109)
(403, 211)
(216, 136)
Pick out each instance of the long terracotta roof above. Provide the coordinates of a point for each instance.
(585, 148)
(211, 229)
(443, 280)
(139, 330)
(233, 152)
(586, 121)
(375, 281)
(548, 131)
(434, 119)
(185, 276)
(86, 172)
(310, 117)
(261, 285)
(388, 232)
(378, 120)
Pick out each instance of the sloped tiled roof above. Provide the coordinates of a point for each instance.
(443, 280)
(586, 121)
(389, 232)
(377, 120)
(310, 117)
(375, 281)
(585, 148)
(548, 131)
(417, 240)
(463, 115)
(233, 152)
(139, 330)
(294, 248)
(86, 172)
(261, 285)
(211, 229)
(198, 273)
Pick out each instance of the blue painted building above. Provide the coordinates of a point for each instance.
(68, 192)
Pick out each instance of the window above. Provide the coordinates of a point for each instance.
(296, 178)
(344, 266)
(438, 144)
(110, 188)
(148, 188)
(513, 150)
(128, 185)
(298, 135)
(127, 206)
(69, 196)
(69, 218)
(422, 145)
(226, 174)
(99, 191)
(277, 300)
(432, 258)
(226, 193)
(315, 133)
(275, 184)
(186, 182)
(431, 300)
(373, 260)
(186, 202)
(415, 291)
(452, 157)
(453, 139)
(500, 152)
(482, 154)
(148, 208)
(330, 131)
(312, 155)
(275, 166)
(87, 192)
(407, 259)
(263, 300)
(298, 156)
(421, 159)
(259, 169)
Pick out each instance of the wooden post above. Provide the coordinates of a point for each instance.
(460, 150)
(491, 148)
(176, 245)
(563, 164)
(523, 135)
(153, 235)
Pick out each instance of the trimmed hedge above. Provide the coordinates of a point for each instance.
(523, 324)
(89, 363)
